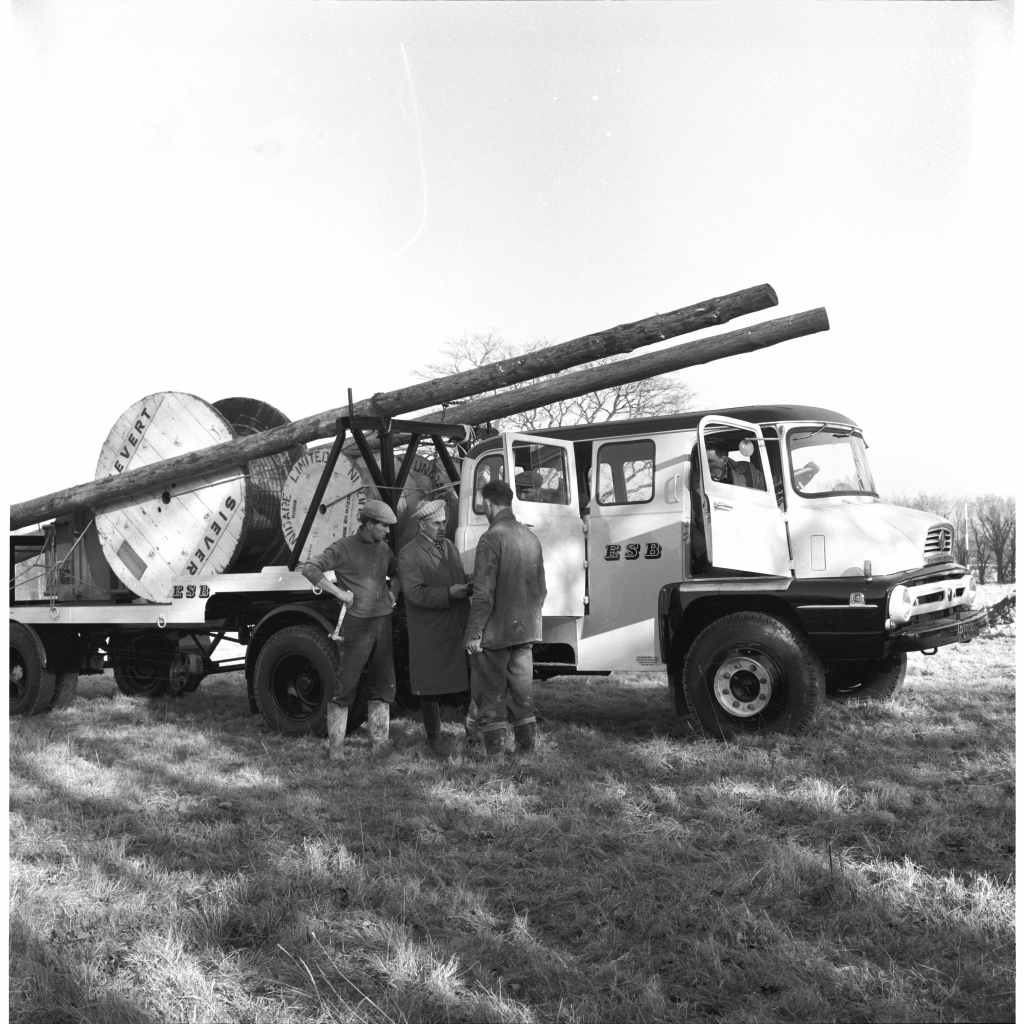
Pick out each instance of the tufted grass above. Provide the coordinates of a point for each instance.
(171, 861)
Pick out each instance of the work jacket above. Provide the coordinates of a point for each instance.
(508, 585)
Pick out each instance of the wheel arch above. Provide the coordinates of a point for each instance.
(277, 619)
(683, 616)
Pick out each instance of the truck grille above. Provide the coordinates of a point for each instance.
(938, 546)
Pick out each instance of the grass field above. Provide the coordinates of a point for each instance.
(171, 861)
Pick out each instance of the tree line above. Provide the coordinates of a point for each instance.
(985, 536)
(985, 531)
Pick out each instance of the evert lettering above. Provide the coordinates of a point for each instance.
(133, 441)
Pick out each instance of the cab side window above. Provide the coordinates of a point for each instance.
(625, 473)
(540, 473)
(735, 458)
(491, 467)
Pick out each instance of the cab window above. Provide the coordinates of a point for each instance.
(734, 458)
(539, 473)
(625, 473)
(491, 467)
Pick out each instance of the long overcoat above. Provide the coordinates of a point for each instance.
(436, 622)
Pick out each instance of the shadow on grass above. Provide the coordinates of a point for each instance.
(624, 871)
(53, 991)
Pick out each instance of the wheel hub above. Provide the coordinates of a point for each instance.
(743, 686)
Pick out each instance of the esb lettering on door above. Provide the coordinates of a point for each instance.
(631, 552)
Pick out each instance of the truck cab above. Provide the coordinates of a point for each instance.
(745, 552)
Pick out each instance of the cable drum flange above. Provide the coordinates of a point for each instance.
(191, 527)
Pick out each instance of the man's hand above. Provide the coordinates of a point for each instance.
(475, 646)
(457, 591)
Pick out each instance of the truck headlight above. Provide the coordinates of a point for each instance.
(901, 605)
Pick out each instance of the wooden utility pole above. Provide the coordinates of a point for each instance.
(625, 371)
(116, 490)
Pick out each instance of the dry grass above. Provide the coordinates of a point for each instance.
(171, 861)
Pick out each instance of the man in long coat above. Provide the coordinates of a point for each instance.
(436, 591)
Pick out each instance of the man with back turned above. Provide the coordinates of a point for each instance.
(504, 622)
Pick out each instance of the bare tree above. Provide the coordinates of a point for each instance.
(656, 396)
(997, 523)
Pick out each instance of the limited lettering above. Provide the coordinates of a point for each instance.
(612, 552)
(190, 591)
(653, 550)
(204, 590)
(179, 591)
(632, 552)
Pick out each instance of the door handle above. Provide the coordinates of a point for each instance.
(722, 507)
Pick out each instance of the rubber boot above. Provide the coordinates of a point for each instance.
(494, 742)
(378, 716)
(337, 723)
(526, 737)
(436, 742)
(473, 735)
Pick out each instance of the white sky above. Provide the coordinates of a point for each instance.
(286, 200)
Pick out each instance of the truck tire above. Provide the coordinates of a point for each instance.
(32, 683)
(749, 672)
(292, 680)
(65, 690)
(142, 662)
(867, 680)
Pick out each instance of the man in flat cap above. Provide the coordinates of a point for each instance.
(437, 607)
(365, 569)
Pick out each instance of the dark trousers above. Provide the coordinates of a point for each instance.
(503, 679)
(365, 644)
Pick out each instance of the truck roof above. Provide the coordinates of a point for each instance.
(760, 414)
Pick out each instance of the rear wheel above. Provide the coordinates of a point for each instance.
(749, 672)
(295, 671)
(32, 683)
(866, 680)
(143, 662)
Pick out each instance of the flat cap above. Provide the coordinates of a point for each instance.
(378, 511)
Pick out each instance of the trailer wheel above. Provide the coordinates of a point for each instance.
(32, 683)
(867, 680)
(292, 680)
(749, 672)
(142, 662)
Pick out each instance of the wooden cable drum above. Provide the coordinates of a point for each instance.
(265, 477)
(348, 488)
(191, 527)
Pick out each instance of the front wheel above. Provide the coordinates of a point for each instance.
(867, 680)
(750, 672)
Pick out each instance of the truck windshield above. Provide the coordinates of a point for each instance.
(829, 460)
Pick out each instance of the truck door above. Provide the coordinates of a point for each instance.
(546, 497)
(744, 528)
(635, 545)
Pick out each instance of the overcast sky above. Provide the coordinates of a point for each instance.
(284, 200)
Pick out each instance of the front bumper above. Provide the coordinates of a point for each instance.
(958, 628)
